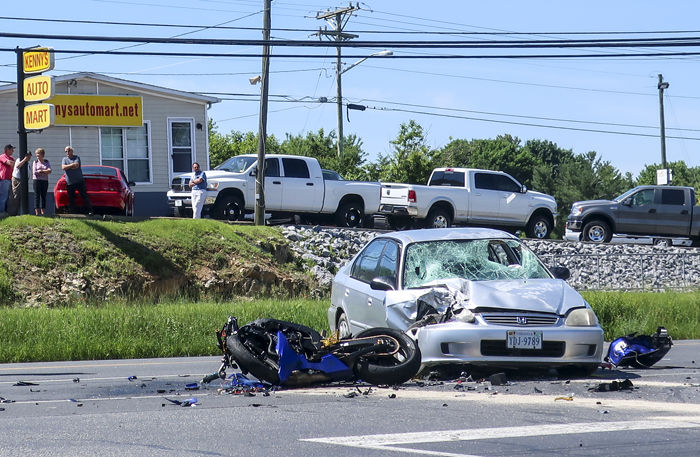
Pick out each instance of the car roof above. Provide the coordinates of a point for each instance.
(454, 233)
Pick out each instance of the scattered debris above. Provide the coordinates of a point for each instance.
(603, 411)
(132, 378)
(76, 379)
(5, 400)
(184, 403)
(613, 386)
(161, 391)
(639, 351)
(564, 398)
(392, 395)
(444, 404)
(498, 379)
(537, 391)
(24, 383)
(192, 386)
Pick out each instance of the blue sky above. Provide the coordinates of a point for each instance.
(475, 98)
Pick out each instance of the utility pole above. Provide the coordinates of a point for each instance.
(22, 133)
(661, 86)
(338, 19)
(262, 127)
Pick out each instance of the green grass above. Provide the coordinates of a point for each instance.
(621, 313)
(118, 331)
(122, 330)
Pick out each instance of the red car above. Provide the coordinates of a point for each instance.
(108, 189)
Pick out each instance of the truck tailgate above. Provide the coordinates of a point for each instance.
(394, 194)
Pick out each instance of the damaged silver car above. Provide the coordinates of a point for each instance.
(468, 296)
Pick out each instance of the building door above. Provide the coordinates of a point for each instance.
(182, 153)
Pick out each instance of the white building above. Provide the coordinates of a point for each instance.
(173, 135)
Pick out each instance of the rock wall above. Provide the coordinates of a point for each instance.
(592, 266)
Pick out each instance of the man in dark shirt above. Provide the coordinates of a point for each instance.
(75, 180)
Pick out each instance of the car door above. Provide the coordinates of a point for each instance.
(514, 205)
(636, 213)
(302, 192)
(363, 305)
(485, 200)
(273, 185)
(672, 212)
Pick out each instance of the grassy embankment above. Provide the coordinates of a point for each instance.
(186, 329)
(40, 252)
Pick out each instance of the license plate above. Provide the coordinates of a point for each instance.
(178, 202)
(523, 339)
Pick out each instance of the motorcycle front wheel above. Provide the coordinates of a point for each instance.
(388, 369)
(262, 367)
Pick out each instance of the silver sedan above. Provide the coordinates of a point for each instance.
(468, 296)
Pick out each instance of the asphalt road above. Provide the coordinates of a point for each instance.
(93, 408)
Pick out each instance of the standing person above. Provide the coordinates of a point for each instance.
(75, 180)
(7, 162)
(198, 184)
(41, 169)
(16, 196)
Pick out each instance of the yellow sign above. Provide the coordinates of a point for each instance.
(98, 110)
(38, 116)
(38, 88)
(37, 60)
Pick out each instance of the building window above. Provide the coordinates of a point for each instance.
(127, 149)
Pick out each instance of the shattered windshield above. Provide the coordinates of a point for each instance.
(237, 164)
(476, 260)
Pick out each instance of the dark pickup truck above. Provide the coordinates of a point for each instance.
(660, 212)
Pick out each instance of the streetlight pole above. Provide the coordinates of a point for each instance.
(661, 86)
(339, 95)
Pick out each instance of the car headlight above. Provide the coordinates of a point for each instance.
(576, 210)
(582, 317)
(212, 185)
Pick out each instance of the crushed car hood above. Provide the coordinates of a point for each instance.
(535, 295)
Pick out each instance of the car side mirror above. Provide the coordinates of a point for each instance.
(131, 183)
(627, 201)
(560, 272)
(382, 283)
(523, 189)
(254, 172)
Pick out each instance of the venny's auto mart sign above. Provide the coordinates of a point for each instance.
(98, 110)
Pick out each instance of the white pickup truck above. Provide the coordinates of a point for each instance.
(471, 197)
(294, 185)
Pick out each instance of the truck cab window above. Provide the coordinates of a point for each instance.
(295, 168)
(643, 198)
(672, 197)
(272, 168)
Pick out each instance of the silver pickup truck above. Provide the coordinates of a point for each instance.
(660, 212)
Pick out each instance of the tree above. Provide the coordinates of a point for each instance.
(682, 174)
(412, 159)
(222, 147)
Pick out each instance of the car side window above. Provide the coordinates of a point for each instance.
(484, 181)
(295, 168)
(388, 265)
(365, 267)
(272, 168)
(643, 198)
(672, 197)
(448, 178)
(504, 183)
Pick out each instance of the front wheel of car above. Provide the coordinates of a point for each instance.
(597, 231)
(343, 327)
(229, 208)
(538, 227)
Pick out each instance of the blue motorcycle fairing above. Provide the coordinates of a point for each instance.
(290, 361)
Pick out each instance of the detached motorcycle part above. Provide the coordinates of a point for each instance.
(388, 369)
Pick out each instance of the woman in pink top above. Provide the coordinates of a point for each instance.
(41, 168)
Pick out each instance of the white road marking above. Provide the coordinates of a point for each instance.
(389, 442)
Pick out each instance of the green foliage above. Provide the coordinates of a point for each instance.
(222, 147)
(412, 159)
(682, 174)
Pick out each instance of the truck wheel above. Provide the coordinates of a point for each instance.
(438, 218)
(665, 242)
(350, 214)
(597, 231)
(229, 208)
(538, 227)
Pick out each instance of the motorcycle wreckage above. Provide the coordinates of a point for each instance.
(287, 354)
